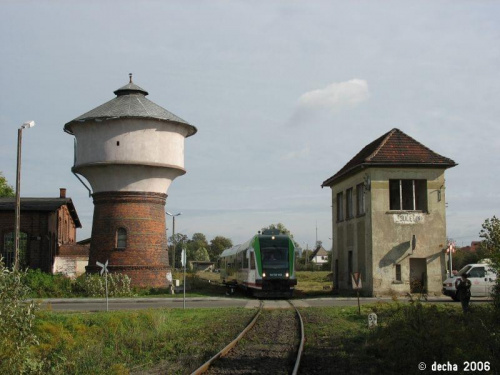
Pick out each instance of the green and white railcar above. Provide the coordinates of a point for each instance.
(264, 265)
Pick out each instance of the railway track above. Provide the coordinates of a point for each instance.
(272, 343)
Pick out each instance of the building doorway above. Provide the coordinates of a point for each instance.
(418, 275)
(336, 275)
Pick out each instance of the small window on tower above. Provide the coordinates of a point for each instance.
(121, 238)
(118, 143)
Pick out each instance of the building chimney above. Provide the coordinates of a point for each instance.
(62, 192)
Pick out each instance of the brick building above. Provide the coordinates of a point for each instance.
(389, 218)
(130, 150)
(48, 227)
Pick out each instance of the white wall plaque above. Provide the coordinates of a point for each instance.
(408, 218)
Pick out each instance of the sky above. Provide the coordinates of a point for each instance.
(283, 93)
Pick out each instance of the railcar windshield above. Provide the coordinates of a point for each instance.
(274, 252)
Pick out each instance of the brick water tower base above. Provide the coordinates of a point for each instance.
(128, 230)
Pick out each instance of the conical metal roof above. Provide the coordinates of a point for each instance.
(130, 88)
(130, 102)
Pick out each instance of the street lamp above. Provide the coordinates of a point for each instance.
(173, 234)
(28, 124)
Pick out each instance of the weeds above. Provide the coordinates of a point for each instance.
(45, 285)
(119, 342)
(16, 329)
(407, 334)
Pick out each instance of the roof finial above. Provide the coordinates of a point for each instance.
(130, 76)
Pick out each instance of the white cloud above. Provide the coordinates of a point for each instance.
(336, 96)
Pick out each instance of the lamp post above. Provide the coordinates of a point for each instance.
(28, 124)
(173, 234)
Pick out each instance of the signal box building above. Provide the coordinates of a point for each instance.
(389, 222)
(130, 150)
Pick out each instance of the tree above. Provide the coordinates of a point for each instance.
(217, 246)
(282, 229)
(491, 239)
(491, 245)
(179, 241)
(200, 238)
(463, 257)
(197, 241)
(201, 255)
(5, 189)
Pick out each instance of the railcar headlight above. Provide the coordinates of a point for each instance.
(263, 274)
(287, 274)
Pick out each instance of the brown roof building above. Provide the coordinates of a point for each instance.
(389, 221)
(47, 231)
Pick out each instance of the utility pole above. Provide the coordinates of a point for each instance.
(316, 243)
(173, 236)
(17, 227)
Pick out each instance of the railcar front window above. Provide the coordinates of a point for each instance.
(275, 257)
(274, 252)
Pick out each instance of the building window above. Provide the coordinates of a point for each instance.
(340, 206)
(349, 204)
(398, 272)
(360, 199)
(8, 249)
(408, 195)
(121, 238)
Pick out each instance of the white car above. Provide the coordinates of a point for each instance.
(482, 278)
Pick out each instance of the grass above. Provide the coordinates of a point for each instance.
(309, 283)
(407, 334)
(200, 284)
(177, 341)
(169, 341)
(313, 284)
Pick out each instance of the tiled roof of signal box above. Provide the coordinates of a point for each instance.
(393, 149)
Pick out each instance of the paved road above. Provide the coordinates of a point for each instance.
(99, 304)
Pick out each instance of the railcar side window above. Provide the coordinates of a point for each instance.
(245, 259)
(252, 260)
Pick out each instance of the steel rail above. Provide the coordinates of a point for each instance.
(302, 341)
(230, 346)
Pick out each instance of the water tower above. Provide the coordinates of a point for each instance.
(130, 150)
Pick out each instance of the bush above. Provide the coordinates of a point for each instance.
(491, 246)
(416, 332)
(93, 285)
(44, 285)
(17, 321)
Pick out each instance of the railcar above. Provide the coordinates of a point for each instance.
(263, 266)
